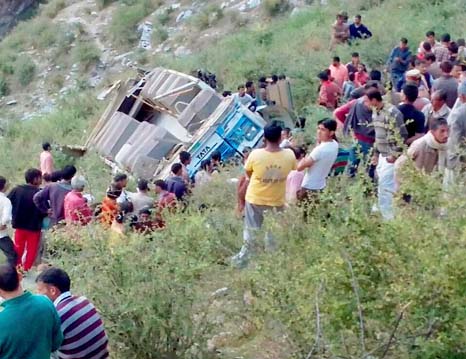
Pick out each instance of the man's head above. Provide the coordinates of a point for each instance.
(461, 42)
(357, 19)
(144, 215)
(250, 87)
(3, 184)
(430, 37)
(53, 282)
(274, 79)
(216, 157)
(78, 183)
(177, 169)
(160, 186)
(439, 98)
(9, 280)
(323, 76)
(446, 67)
(340, 19)
(421, 65)
(361, 68)
(403, 43)
(286, 133)
(120, 180)
(273, 133)
(299, 152)
(410, 93)
(445, 39)
(185, 158)
(68, 172)
(143, 185)
(375, 98)
(458, 69)
(355, 58)
(413, 76)
(336, 61)
(430, 59)
(241, 90)
(46, 146)
(326, 129)
(426, 47)
(453, 49)
(33, 177)
(439, 129)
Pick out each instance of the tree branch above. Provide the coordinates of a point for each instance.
(397, 324)
(318, 324)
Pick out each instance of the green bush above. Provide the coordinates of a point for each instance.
(85, 53)
(123, 28)
(275, 7)
(208, 17)
(25, 70)
(159, 35)
(53, 8)
(4, 90)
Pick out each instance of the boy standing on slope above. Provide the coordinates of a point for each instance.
(267, 169)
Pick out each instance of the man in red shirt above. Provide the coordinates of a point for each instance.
(329, 92)
(166, 201)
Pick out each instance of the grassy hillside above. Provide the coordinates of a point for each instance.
(344, 285)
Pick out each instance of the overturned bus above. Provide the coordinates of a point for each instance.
(153, 119)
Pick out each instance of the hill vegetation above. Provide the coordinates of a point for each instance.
(343, 285)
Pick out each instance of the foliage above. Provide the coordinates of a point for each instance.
(159, 34)
(53, 8)
(123, 28)
(275, 7)
(208, 17)
(103, 3)
(25, 70)
(85, 53)
(4, 89)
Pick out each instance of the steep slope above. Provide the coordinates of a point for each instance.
(11, 10)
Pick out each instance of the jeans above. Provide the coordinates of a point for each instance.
(360, 150)
(253, 220)
(386, 187)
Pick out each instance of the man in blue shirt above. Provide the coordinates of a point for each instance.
(398, 61)
(358, 30)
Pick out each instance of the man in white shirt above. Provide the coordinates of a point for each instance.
(141, 199)
(6, 244)
(242, 96)
(437, 109)
(320, 161)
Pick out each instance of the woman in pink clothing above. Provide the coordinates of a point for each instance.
(361, 77)
(295, 178)
(77, 211)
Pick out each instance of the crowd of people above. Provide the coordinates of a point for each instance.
(422, 110)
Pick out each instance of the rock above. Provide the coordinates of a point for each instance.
(10, 11)
(252, 4)
(218, 341)
(220, 292)
(182, 51)
(145, 41)
(248, 298)
(11, 102)
(295, 11)
(247, 328)
(122, 56)
(175, 6)
(186, 14)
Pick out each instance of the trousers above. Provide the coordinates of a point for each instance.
(28, 241)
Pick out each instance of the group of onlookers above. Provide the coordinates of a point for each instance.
(54, 324)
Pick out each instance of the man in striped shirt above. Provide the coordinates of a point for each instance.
(83, 330)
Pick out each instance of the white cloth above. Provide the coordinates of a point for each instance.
(286, 143)
(140, 200)
(244, 100)
(5, 214)
(324, 156)
(202, 177)
(386, 187)
(123, 197)
(441, 150)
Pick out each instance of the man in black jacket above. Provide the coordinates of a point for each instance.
(26, 217)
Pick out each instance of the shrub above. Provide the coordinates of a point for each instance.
(53, 8)
(208, 17)
(103, 3)
(275, 7)
(159, 35)
(4, 90)
(86, 53)
(25, 70)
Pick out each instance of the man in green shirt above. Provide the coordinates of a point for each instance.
(29, 324)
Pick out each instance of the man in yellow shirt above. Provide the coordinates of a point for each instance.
(267, 169)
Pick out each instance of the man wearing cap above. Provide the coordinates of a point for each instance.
(77, 211)
(457, 123)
